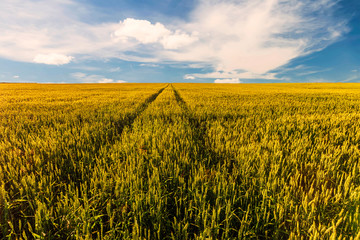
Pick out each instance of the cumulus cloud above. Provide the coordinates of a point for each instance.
(229, 80)
(16, 77)
(53, 59)
(145, 32)
(254, 36)
(141, 30)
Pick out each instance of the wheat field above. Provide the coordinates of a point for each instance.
(180, 161)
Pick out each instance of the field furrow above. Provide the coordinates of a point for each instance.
(199, 129)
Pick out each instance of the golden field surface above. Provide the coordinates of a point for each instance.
(180, 161)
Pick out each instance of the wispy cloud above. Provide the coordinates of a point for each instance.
(233, 75)
(116, 69)
(286, 69)
(258, 36)
(149, 65)
(87, 68)
(230, 80)
(354, 76)
(86, 78)
(311, 72)
(254, 36)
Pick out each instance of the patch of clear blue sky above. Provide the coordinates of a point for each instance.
(339, 62)
(152, 10)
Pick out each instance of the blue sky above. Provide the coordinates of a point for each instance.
(236, 41)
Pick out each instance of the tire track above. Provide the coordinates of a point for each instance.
(199, 130)
(206, 157)
(74, 175)
(130, 119)
(76, 168)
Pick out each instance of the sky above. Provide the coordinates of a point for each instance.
(202, 41)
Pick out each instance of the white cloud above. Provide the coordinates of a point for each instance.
(85, 78)
(33, 27)
(189, 77)
(353, 77)
(235, 74)
(229, 80)
(141, 30)
(16, 77)
(106, 80)
(149, 65)
(93, 78)
(146, 33)
(301, 70)
(78, 75)
(53, 59)
(286, 69)
(258, 36)
(255, 36)
(305, 73)
(178, 40)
